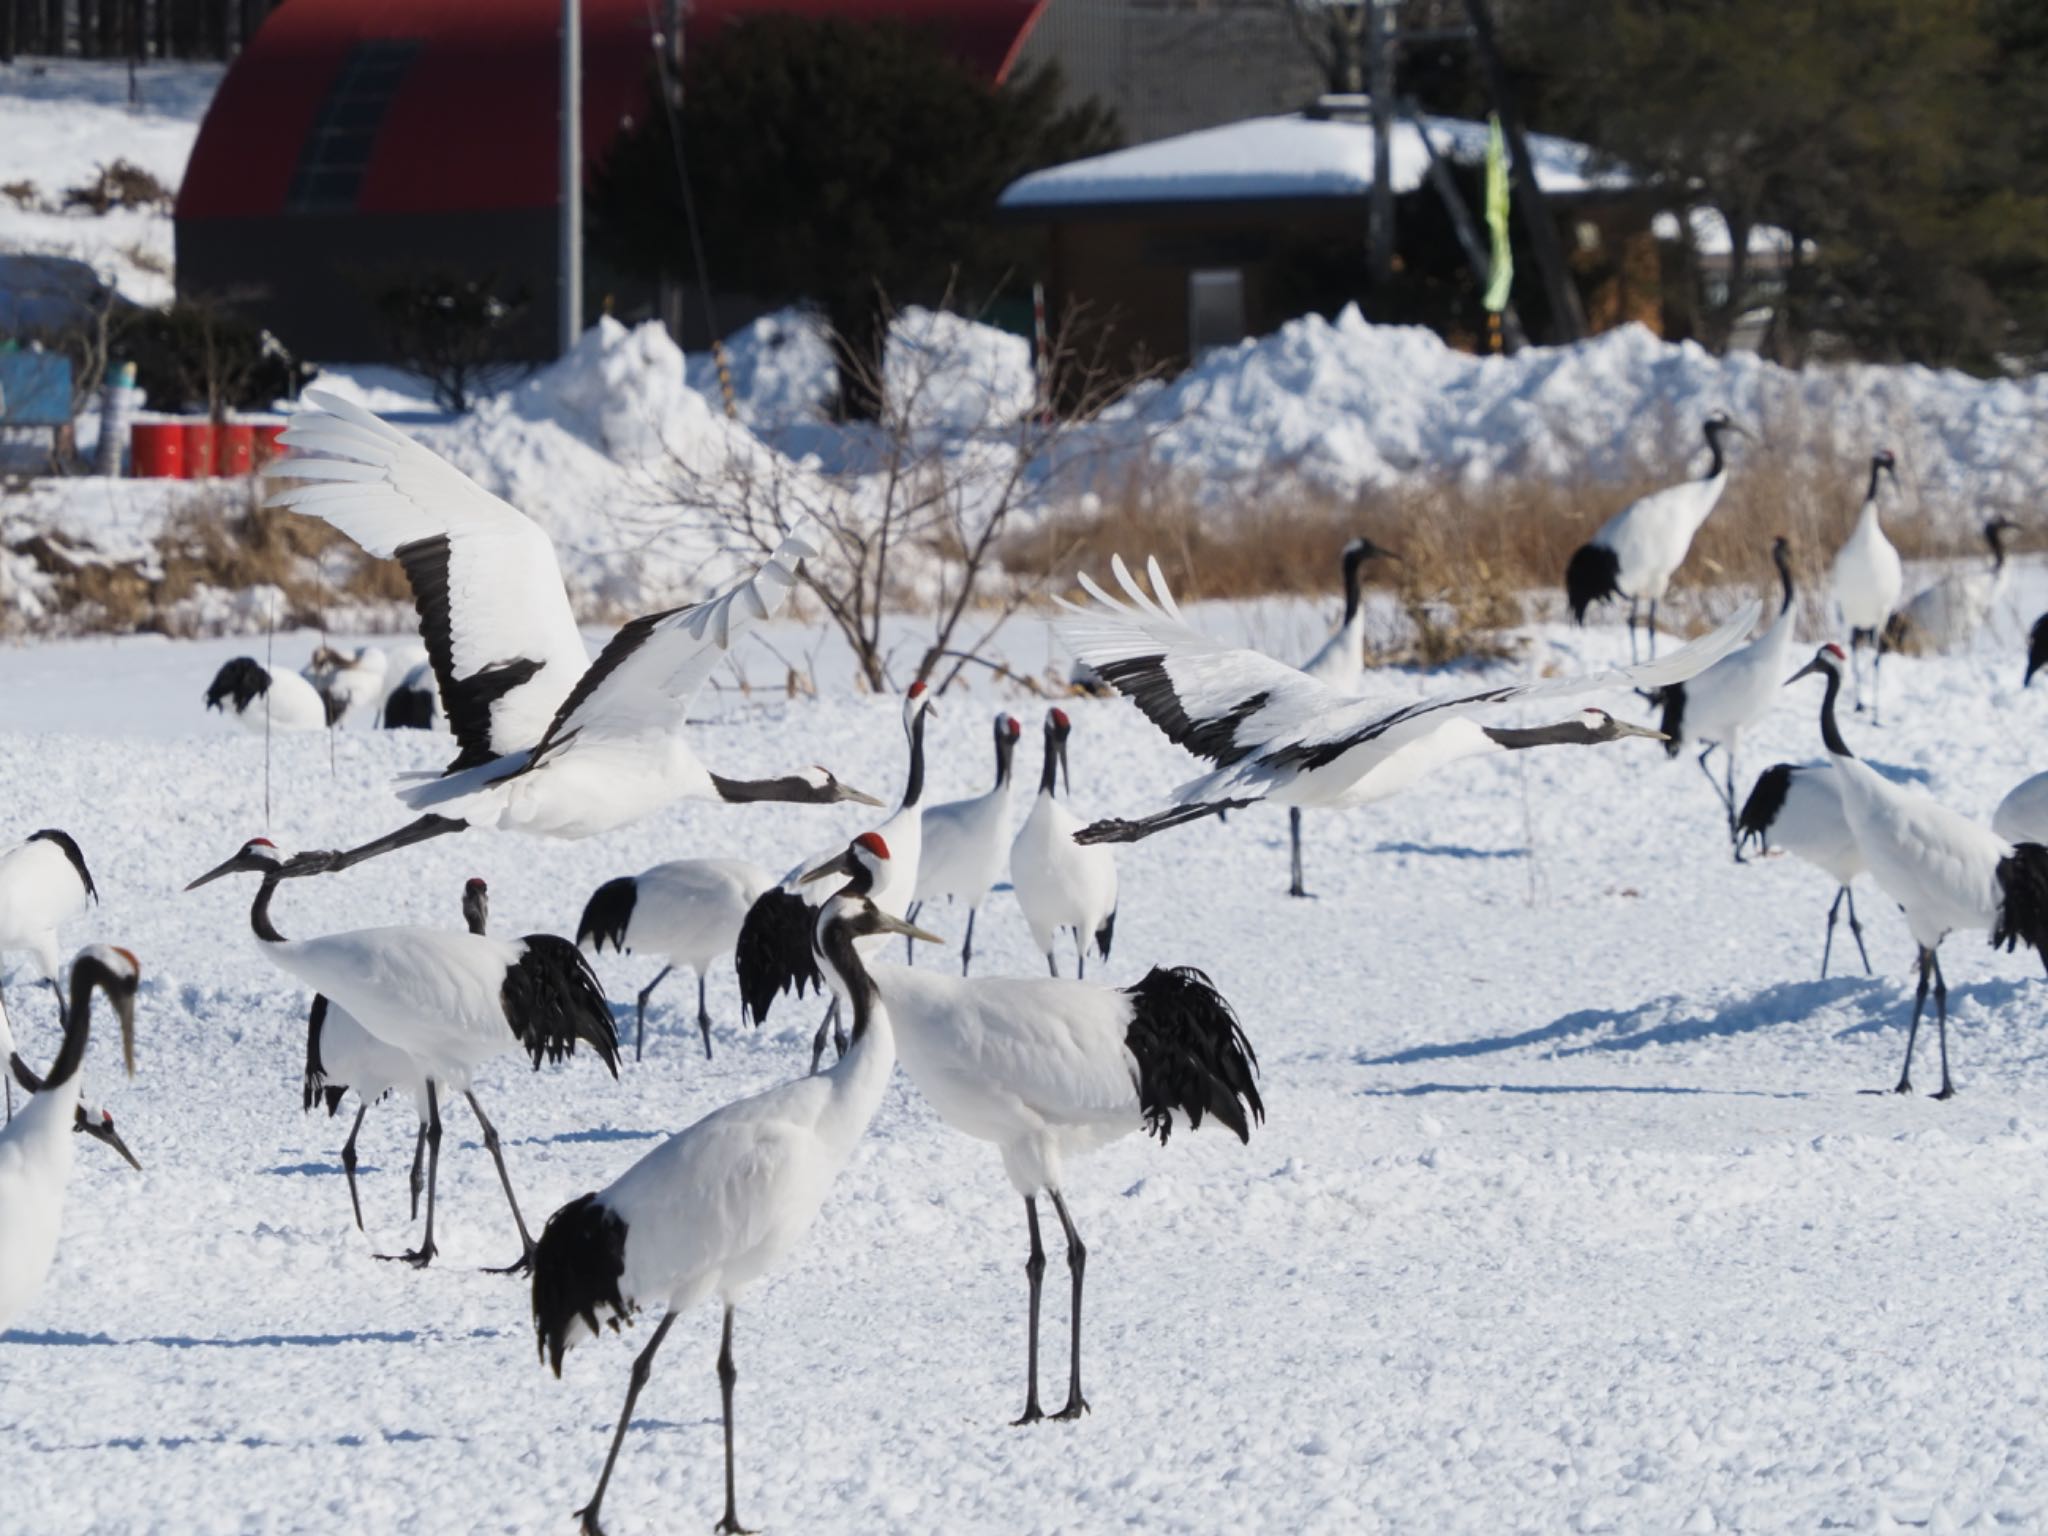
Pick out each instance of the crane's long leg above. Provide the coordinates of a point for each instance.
(1856, 928)
(910, 944)
(1052, 963)
(703, 1017)
(818, 1040)
(1080, 954)
(1295, 887)
(967, 944)
(1653, 629)
(524, 1262)
(640, 1023)
(1633, 606)
(1856, 664)
(419, 1152)
(1706, 752)
(1828, 947)
(423, 1255)
(1919, 1002)
(729, 1522)
(1077, 1265)
(1734, 834)
(348, 1160)
(643, 1367)
(1948, 1089)
(1034, 1271)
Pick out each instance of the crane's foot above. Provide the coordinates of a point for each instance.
(1948, 1091)
(729, 1525)
(586, 1521)
(523, 1265)
(1076, 1406)
(1905, 1085)
(418, 1258)
(1031, 1415)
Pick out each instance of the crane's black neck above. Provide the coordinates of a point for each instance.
(1876, 471)
(1717, 464)
(1006, 754)
(1784, 563)
(259, 909)
(913, 789)
(476, 911)
(1354, 581)
(1830, 732)
(836, 944)
(77, 1025)
(1049, 775)
(1564, 733)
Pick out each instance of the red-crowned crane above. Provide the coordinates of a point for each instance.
(90, 1118)
(350, 681)
(44, 887)
(342, 1055)
(718, 1206)
(1049, 1069)
(1947, 615)
(964, 842)
(1798, 807)
(1866, 580)
(1945, 871)
(1338, 663)
(1732, 695)
(688, 911)
(772, 953)
(35, 1147)
(451, 1001)
(1059, 882)
(551, 743)
(2022, 816)
(1636, 551)
(1274, 734)
(258, 699)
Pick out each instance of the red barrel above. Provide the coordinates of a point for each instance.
(237, 448)
(157, 449)
(267, 445)
(199, 449)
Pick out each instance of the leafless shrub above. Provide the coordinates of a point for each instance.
(23, 194)
(120, 185)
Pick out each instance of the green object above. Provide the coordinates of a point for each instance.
(1500, 275)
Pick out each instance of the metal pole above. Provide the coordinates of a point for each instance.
(1379, 45)
(569, 272)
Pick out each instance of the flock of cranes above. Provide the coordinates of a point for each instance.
(1047, 1068)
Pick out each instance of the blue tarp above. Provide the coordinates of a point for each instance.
(35, 389)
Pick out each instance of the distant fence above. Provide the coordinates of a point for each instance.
(130, 29)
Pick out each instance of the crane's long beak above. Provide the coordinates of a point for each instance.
(102, 1129)
(1066, 773)
(1805, 671)
(908, 930)
(233, 865)
(859, 797)
(838, 864)
(1630, 728)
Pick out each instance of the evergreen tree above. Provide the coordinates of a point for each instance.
(836, 162)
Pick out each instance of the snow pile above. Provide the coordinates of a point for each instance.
(63, 119)
(955, 374)
(780, 367)
(1349, 406)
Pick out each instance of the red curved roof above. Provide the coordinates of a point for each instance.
(471, 124)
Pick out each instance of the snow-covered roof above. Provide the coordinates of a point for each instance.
(1288, 157)
(1710, 235)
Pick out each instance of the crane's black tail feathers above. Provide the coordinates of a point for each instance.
(552, 999)
(1118, 830)
(1104, 934)
(1760, 811)
(1672, 695)
(577, 1266)
(2037, 647)
(409, 709)
(316, 1074)
(1191, 1052)
(1594, 573)
(242, 680)
(2023, 902)
(607, 914)
(773, 953)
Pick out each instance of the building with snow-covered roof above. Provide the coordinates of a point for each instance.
(1204, 238)
(359, 142)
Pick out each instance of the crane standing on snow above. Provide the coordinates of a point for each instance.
(1636, 551)
(1866, 579)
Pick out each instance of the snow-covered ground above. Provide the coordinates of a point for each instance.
(1570, 1211)
(61, 120)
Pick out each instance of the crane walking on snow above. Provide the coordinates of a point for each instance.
(719, 1205)
(450, 1001)
(1798, 806)
(1866, 579)
(1945, 871)
(35, 1146)
(1733, 694)
(1636, 551)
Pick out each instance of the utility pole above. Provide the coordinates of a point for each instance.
(1568, 319)
(570, 264)
(670, 288)
(1379, 25)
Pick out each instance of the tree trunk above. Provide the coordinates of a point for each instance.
(859, 334)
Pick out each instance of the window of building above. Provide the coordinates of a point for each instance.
(1215, 309)
(337, 150)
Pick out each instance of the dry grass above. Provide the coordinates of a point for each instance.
(1480, 558)
(120, 185)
